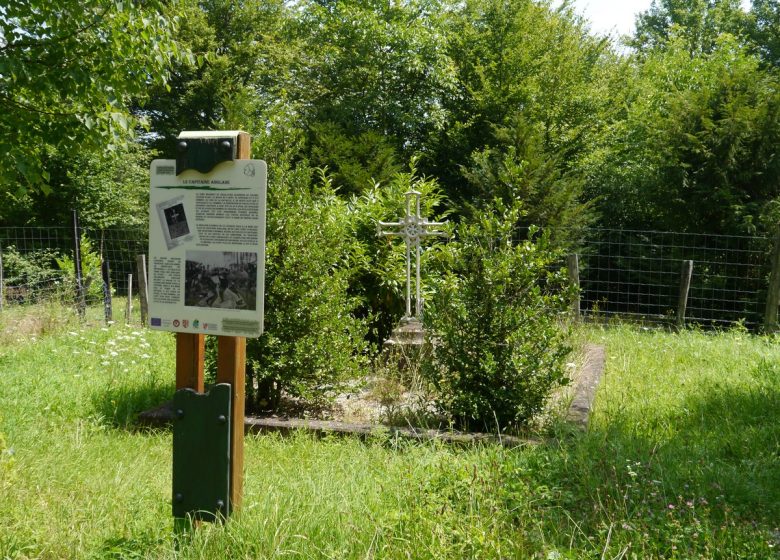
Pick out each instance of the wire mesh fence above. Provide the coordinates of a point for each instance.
(37, 264)
(637, 274)
(120, 247)
(626, 273)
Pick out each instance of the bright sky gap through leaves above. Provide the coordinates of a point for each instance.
(616, 17)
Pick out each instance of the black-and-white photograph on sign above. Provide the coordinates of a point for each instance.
(174, 221)
(207, 248)
(220, 279)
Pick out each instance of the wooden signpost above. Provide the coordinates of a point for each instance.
(186, 267)
(231, 369)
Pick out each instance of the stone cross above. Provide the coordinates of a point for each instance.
(412, 228)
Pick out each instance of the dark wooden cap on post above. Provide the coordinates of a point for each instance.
(203, 150)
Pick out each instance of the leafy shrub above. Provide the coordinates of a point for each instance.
(498, 344)
(26, 275)
(312, 343)
(91, 272)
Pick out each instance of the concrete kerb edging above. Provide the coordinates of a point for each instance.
(578, 413)
(592, 369)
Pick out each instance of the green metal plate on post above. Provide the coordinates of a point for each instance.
(201, 453)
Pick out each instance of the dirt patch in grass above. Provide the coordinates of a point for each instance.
(399, 400)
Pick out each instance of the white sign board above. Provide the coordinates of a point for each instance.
(207, 248)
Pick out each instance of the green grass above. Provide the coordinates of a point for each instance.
(682, 458)
(681, 461)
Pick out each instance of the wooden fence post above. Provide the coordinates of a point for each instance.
(773, 295)
(143, 291)
(685, 285)
(129, 306)
(231, 368)
(190, 357)
(105, 272)
(81, 302)
(573, 264)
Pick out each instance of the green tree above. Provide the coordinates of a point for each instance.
(113, 191)
(518, 168)
(68, 70)
(239, 75)
(512, 58)
(766, 29)
(696, 150)
(355, 163)
(698, 22)
(107, 189)
(375, 66)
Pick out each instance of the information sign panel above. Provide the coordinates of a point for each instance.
(207, 248)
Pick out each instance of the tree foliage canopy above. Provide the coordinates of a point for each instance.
(507, 98)
(68, 70)
(695, 149)
(480, 104)
(766, 29)
(698, 22)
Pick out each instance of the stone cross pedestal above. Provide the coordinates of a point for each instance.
(408, 337)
